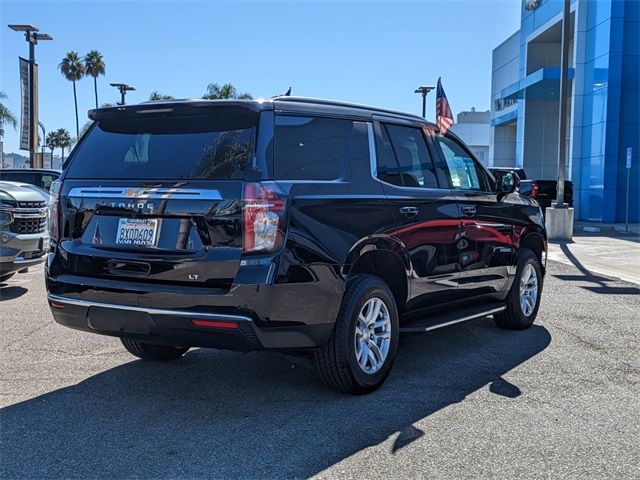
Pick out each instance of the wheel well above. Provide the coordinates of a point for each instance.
(535, 243)
(389, 267)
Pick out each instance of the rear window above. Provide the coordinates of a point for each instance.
(309, 148)
(24, 177)
(213, 145)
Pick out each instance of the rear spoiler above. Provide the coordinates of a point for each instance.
(177, 106)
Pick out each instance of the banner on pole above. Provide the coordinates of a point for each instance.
(25, 118)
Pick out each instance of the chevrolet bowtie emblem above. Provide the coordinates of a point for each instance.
(133, 192)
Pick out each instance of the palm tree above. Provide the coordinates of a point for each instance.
(52, 142)
(155, 95)
(63, 140)
(94, 65)
(73, 69)
(217, 92)
(6, 117)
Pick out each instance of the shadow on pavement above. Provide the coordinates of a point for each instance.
(602, 283)
(10, 292)
(226, 414)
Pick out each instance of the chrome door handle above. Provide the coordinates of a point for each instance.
(468, 210)
(409, 211)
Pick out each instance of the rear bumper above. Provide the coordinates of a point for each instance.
(284, 316)
(184, 327)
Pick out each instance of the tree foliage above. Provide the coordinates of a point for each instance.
(94, 67)
(73, 70)
(94, 64)
(63, 140)
(72, 67)
(155, 95)
(6, 117)
(226, 91)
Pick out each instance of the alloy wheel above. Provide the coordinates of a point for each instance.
(528, 289)
(372, 335)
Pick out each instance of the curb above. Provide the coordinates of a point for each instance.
(618, 228)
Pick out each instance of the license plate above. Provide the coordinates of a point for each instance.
(137, 232)
(45, 244)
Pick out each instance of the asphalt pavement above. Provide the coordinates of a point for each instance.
(560, 399)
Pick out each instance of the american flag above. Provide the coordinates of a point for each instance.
(444, 117)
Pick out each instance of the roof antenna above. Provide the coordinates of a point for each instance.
(285, 94)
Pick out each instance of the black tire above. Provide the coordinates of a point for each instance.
(513, 318)
(149, 351)
(4, 278)
(337, 362)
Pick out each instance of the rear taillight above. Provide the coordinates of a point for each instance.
(54, 210)
(263, 208)
(534, 190)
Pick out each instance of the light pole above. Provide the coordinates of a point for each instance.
(32, 36)
(42, 142)
(424, 90)
(562, 129)
(124, 88)
(559, 218)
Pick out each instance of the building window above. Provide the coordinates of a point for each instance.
(502, 103)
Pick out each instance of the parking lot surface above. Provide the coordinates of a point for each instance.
(468, 401)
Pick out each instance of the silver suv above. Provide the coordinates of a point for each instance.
(24, 240)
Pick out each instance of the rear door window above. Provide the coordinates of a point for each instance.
(216, 144)
(404, 159)
(310, 148)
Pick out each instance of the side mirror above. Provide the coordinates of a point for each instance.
(508, 183)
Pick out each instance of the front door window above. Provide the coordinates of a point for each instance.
(464, 172)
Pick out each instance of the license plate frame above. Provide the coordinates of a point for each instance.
(137, 232)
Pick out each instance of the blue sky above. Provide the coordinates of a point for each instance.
(367, 52)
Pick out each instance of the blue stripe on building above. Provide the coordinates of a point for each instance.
(603, 108)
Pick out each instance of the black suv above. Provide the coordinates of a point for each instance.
(293, 224)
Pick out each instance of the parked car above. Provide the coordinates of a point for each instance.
(294, 224)
(40, 177)
(23, 228)
(545, 191)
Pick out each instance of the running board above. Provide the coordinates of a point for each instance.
(445, 319)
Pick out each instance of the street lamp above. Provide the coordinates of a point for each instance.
(43, 141)
(424, 90)
(33, 37)
(124, 88)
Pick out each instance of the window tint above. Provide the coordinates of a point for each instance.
(215, 145)
(464, 172)
(388, 170)
(24, 177)
(359, 147)
(309, 148)
(46, 181)
(413, 160)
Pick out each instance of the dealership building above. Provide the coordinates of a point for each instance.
(603, 104)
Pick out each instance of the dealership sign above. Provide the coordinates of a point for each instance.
(25, 119)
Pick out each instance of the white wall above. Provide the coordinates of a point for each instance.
(505, 71)
(503, 153)
(476, 136)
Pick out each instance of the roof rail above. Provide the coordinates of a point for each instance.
(337, 103)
